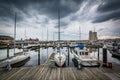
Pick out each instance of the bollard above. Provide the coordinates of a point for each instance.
(110, 65)
(79, 67)
(105, 55)
(8, 65)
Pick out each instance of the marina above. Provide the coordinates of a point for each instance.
(59, 40)
(46, 72)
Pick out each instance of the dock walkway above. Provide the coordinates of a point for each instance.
(44, 72)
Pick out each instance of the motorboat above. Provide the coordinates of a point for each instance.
(83, 56)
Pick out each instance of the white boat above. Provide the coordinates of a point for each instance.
(60, 59)
(15, 60)
(84, 57)
(18, 57)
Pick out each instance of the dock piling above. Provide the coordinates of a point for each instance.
(68, 55)
(8, 51)
(105, 55)
(38, 54)
(98, 53)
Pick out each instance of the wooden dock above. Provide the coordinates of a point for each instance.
(44, 72)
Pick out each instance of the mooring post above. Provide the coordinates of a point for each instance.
(105, 55)
(38, 54)
(9, 65)
(68, 55)
(98, 53)
(7, 50)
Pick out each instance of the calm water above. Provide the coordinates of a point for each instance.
(45, 53)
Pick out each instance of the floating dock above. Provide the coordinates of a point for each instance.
(45, 72)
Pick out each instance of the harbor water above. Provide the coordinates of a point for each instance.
(45, 53)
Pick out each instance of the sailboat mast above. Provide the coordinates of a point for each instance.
(42, 33)
(59, 21)
(15, 31)
(47, 33)
(79, 33)
(25, 33)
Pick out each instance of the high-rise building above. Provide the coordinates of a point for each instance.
(92, 36)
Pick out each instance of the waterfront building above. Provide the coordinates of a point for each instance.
(92, 36)
(6, 39)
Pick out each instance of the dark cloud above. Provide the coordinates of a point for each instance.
(107, 10)
(109, 5)
(46, 7)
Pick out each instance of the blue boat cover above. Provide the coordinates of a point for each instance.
(80, 46)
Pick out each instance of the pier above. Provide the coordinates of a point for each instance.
(45, 72)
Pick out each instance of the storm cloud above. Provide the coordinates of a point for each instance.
(47, 7)
(38, 14)
(108, 10)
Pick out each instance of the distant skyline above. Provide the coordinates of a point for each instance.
(35, 16)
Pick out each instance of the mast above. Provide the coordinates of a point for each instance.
(25, 33)
(59, 23)
(15, 31)
(79, 33)
(42, 33)
(47, 33)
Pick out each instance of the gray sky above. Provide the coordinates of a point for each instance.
(35, 16)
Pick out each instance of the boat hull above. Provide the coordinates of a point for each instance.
(84, 64)
(20, 63)
(60, 59)
(16, 61)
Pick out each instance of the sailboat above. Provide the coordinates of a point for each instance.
(59, 57)
(18, 59)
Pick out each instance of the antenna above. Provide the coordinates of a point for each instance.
(94, 29)
(94, 34)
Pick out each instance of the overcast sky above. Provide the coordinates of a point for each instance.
(35, 16)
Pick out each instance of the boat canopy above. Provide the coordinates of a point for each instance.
(80, 46)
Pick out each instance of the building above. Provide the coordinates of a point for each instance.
(6, 39)
(31, 41)
(92, 36)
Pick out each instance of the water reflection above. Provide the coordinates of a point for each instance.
(45, 53)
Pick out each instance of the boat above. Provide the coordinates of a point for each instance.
(115, 50)
(59, 57)
(16, 61)
(18, 58)
(83, 56)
